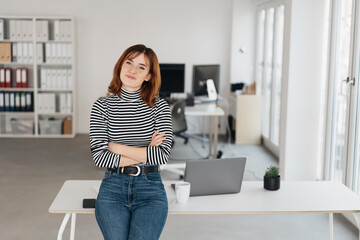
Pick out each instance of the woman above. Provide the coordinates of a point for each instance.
(131, 135)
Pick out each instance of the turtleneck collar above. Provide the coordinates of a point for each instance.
(130, 96)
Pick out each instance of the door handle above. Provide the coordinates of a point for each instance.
(350, 80)
(347, 80)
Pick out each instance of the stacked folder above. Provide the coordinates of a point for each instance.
(46, 103)
(65, 102)
(23, 52)
(21, 78)
(42, 30)
(20, 30)
(39, 53)
(50, 103)
(16, 102)
(62, 30)
(5, 77)
(55, 79)
(58, 53)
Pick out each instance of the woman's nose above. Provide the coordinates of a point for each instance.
(132, 69)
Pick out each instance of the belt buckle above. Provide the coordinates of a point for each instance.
(138, 171)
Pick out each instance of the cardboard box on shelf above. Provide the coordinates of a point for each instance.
(5, 52)
(67, 126)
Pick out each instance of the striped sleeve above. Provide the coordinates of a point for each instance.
(160, 154)
(99, 137)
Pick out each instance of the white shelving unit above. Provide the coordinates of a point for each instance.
(46, 46)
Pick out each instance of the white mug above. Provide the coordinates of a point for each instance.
(182, 190)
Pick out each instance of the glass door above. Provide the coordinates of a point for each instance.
(341, 98)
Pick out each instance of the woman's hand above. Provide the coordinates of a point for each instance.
(111, 147)
(134, 155)
(157, 138)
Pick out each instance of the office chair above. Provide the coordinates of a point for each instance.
(179, 125)
(177, 111)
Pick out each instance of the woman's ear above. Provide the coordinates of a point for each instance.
(148, 77)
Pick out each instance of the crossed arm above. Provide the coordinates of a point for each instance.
(135, 155)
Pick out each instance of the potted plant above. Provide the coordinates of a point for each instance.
(272, 178)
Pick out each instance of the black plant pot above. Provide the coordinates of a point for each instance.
(272, 183)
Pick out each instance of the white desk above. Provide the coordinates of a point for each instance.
(293, 197)
(212, 111)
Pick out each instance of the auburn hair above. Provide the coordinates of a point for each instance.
(149, 89)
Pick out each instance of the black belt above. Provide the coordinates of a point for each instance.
(136, 170)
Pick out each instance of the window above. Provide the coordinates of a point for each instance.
(270, 35)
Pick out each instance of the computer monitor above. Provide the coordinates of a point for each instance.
(201, 73)
(172, 79)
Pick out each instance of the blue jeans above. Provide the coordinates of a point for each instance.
(131, 208)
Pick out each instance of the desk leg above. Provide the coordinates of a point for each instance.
(210, 137)
(63, 225)
(216, 130)
(72, 230)
(331, 226)
(357, 219)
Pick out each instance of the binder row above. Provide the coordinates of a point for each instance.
(42, 30)
(21, 78)
(45, 30)
(16, 102)
(24, 52)
(20, 30)
(49, 103)
(55, 79)
(62, 30)
(20, 52)
(60, 53)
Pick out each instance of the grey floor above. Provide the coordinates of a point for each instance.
(33, 170)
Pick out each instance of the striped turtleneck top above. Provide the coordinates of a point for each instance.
(128, 120)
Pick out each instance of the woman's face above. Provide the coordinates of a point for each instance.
(134, 72)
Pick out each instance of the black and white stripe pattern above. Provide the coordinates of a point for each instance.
(129, 121)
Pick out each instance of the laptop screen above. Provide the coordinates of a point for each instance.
(215, 176)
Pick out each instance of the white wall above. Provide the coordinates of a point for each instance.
(300, 121)
(243, 37)
(186, 31)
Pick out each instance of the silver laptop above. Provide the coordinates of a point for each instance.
(215, 176)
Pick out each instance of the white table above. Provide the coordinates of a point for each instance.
(212, 111)
(293, 197)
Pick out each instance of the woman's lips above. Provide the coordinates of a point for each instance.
(131, 77)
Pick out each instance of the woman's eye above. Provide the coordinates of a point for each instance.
(128, 63)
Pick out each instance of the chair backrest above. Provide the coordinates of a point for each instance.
(177, 110)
